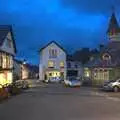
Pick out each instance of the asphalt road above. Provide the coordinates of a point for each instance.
(55, 102)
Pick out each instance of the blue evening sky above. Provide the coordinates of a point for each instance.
(73, 23)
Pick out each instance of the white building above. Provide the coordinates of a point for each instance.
(52, 62)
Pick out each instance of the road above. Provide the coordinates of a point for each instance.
(55, 102)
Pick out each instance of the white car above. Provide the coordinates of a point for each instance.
(73, 83)
(112, 85)
(55, 79)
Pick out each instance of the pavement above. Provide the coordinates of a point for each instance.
(55, 102)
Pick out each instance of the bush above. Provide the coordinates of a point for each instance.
(4, 94)
(14, 90)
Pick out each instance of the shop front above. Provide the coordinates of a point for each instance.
(6, 77)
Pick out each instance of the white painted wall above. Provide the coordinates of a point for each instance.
(5, 47)
(44, 58)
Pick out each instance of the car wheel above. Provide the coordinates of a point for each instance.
(116, 89)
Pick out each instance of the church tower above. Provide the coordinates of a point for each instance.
(113, 29)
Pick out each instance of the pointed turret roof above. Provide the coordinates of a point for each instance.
(113, 25)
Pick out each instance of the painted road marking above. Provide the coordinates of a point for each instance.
(106, 96)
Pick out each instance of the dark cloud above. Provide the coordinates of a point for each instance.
(92, 6)
(73, 23)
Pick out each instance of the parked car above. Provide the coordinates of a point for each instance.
(13, 89)
(55, 79)
(112, 85)
(22, 84)
(72, 82)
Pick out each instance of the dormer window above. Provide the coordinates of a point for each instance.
(106, 56)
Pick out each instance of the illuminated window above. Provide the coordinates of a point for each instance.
(50, 64)
(4, 60)
(87, 72)
(101, 74)
(62, 64)
(10, 62)
(7, 61)
(0, 59)
(106, 56)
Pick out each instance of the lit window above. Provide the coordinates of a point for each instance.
(10, 62)
(4, 60)
(101, 74)
(0, 59)
(87, 72)
(106, 56)
(62, 64)
(50, 64)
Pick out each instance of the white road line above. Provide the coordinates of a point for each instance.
(106, 96)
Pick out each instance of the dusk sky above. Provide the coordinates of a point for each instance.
(73, 23)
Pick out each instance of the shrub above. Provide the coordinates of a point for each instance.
(14, 90)
(4, 94)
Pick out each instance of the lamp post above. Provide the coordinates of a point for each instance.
(22, 68)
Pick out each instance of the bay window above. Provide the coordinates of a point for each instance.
(6, 61)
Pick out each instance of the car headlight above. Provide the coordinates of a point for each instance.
(70, 83)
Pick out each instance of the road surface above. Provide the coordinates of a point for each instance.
(55, 102)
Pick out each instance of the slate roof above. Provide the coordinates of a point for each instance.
(18, 61)
(32, 68)
(113, 62)
(54, 43)
(113, 45)
(4, 29)
(113, 25)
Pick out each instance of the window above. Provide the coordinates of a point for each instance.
(52, 53)
(0, 59)
(50, 64)
(106, 56)
(86, 72)
(69, 65)
(101, 74)
(50, 74)
(6, 61)
(76, 66)
(62, 64)
(9, 43)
